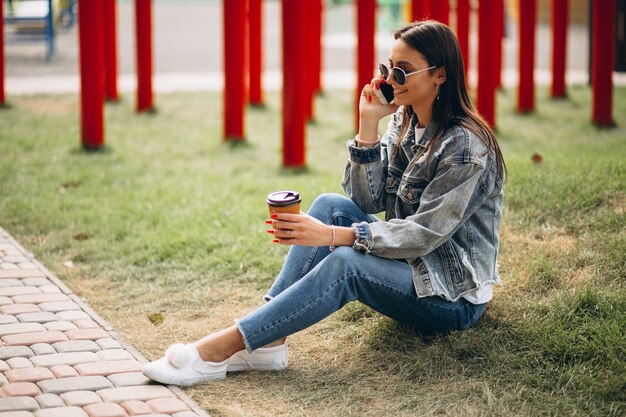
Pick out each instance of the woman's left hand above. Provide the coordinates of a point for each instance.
(299, 229)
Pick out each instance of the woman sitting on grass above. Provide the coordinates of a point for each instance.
(437, 173)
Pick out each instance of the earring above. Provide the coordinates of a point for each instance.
(437, 91)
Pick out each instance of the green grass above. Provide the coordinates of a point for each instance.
(169, 219)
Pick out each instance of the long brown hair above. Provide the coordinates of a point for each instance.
(440, 47)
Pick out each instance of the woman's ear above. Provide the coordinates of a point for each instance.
(440, 75)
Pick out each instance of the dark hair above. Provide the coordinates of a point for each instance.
(440, 47)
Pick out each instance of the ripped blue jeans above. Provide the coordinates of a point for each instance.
(314, 283)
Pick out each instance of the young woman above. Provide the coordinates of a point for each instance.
(437, 173)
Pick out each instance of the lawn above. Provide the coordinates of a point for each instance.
(163, 234)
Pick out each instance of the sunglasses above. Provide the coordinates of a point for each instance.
(398, 73)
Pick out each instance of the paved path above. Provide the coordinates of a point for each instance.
(58, 358)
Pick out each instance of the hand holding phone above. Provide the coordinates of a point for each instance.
(385, 93)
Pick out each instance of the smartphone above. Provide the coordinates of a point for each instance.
(385, 94)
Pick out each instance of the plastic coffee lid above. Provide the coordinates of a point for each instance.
(283, 198)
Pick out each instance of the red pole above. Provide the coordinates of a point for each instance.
(235, 76)
(110, 51)
(318, 24)
(366, 29)
(499, 35)
(91, 44)
(2, 96)
(256, 52)
(560, 12)
(441, 11)
(486, 91)
(462, 31)
(526, 89)
(602, 61)
(143, 17)
(293, 93)
(307, 75)
(421, 9)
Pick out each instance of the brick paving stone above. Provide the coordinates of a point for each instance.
(42, 349)
(4, 366)
(50, 289)
(6, 329)
(5, 300)
(8, 319)
(27, 339)
(108, 343)
(17, 414)
(12, 291)
(20, 389)
(58, 306)
(80, 383)
(143, 393)
(86, 334)
(15, 259)
(59, 326)
(40, 298)
(61, 412)
(80, 398)
(37, 317)
(3, 380)
(8, 352)
(11, 282)
(63, 371)
(185, 414)
(7, 266)
(129, 379)
(36, 282)
(27, 265)
(22, 273)
(18, 403)
(108, 367)
(19, 309)
(167, 405)
(19, 363)
(105, 410)
(135, 407)
(29, 375)
(71, 359)
(114, 355)
(86, 324)
(77, 346)
(49, 401)
(72, 315)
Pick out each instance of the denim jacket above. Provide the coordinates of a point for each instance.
(442, 215)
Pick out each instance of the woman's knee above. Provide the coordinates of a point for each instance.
(325, 204)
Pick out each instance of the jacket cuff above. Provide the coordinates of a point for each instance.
(363, 155)
(363, 242)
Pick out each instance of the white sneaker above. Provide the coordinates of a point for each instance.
(263, 359)
(183, 366)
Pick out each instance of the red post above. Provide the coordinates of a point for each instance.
(526, 90)
(317, 28)
(307, 74)
(441, 11)
(499, 35)
(110, 51)
(2, 96)
(486, 91)
(420, 9)
(559, 46)
(602, 61)
(366, 29)
(462, 31)
(293, 93)
(256, 52)
(313, 14)
(143, 19)
(91, 44)
(235, 68)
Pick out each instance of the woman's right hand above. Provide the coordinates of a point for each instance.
(370, 107)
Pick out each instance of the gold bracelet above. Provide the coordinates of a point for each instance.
(332, 244)
(358, 140)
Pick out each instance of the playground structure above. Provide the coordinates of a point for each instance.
(299, 68)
